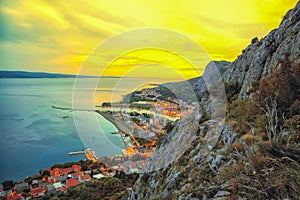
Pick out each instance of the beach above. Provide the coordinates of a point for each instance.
(121, 125)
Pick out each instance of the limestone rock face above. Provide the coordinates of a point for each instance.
(260, 58)
(200, 85)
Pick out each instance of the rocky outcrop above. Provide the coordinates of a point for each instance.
(194, 88)
(261, 57)
(200, 85)
(185, 177)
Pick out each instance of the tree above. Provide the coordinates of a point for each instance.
(8, 185)
(282, 86)
(84, 167)
(106, 104)
(232, 90)
(46, 173)
(169, 127)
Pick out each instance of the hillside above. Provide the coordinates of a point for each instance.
(253, 153)
(109, 188)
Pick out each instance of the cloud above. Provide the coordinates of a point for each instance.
(58, 36)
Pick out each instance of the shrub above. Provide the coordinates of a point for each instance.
(282, 86)
(232, 91)
(244, 112)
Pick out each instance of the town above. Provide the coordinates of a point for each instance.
(140, 121)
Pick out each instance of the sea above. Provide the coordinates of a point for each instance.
(35, 136)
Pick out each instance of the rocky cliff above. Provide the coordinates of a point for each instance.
(262, 56)
(213, 158)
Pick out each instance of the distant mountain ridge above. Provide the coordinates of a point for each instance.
(25, 74)
(197, 85)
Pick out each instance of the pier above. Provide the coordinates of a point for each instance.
(76, 153)
(89, 154)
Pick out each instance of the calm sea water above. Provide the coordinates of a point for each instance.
(35, 136)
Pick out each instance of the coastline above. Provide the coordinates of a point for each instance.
(119, 124)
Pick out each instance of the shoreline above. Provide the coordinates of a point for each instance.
(109, 117)
(120, 125)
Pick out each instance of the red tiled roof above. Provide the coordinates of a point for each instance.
(76, 168)
(14, 197)
(37, 190)
(65, 171)
(76, 174)
(105, 173)
(72, 182)
(85, 177)
(55, 171)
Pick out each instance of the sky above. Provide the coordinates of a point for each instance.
(61, 36)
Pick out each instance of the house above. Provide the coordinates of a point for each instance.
(22, 186)
(5, 193)
(84, 178)
(76, 175)
(76, 168)
(58, 186)
(51, 189)
(61, 178)
(15, 197)
(44, 185)
(134, 170)
(105, 173)
(119, 168)
(45, 178)
(65, 171)
(37, 181)
(88, 172)
(37, 192)
(51, 179)
(55, 172)
(98, 176)
(72, 182)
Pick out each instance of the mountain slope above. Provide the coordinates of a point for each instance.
(256, 153)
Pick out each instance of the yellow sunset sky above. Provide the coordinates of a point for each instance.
(57, 36)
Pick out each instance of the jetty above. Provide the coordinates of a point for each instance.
(89, 153)
(76, 153)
